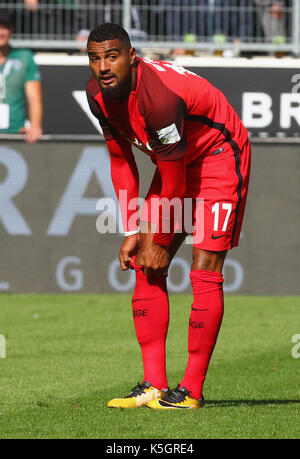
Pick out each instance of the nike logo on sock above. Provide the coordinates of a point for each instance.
(196, 309)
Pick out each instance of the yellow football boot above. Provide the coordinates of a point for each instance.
(176, 399)
(139, 396)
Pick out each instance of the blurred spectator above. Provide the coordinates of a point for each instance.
(219, 21)
(19, 83)
(81, 38)
(64, 18)
(229, 20)
(181, 17)
(213, 21)
(271, 19)
(241, 20)
(206, 18)
(31, 5)
(40, 17)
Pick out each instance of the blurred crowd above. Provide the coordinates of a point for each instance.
(243, 19)
(217, 20)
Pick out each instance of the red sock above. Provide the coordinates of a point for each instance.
(150, 304)
(205, 321)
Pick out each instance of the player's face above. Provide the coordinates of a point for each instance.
(5, 33)
(111, 63)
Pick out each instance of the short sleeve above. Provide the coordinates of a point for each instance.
(32, 70)
(164, 114)
(108, 131)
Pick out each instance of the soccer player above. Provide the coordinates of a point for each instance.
(202, 152)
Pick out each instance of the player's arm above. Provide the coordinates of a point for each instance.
(124, 172)
(33, 93)
(125, 178)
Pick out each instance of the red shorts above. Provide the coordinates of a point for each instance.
(217, 186)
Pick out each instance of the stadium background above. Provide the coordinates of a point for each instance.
(50, 190)
(67, 341)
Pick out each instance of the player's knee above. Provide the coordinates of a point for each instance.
(208, 260)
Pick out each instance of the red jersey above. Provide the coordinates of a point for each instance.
(173, 115)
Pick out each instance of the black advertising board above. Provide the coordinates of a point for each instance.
(266, 99)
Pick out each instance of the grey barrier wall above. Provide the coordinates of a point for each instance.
(48, 214)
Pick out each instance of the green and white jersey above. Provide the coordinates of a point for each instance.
(18, 68)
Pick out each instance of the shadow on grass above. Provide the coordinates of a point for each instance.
(227, 403)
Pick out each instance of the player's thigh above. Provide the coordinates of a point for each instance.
(220, 187)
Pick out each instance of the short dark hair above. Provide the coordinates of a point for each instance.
(109, 31)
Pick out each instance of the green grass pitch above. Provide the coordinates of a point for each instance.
(67, 355)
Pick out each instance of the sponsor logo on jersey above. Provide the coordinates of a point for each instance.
(168, 134)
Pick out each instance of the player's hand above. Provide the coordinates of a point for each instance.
(127, 250)
(156, 260)
(32, 133)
